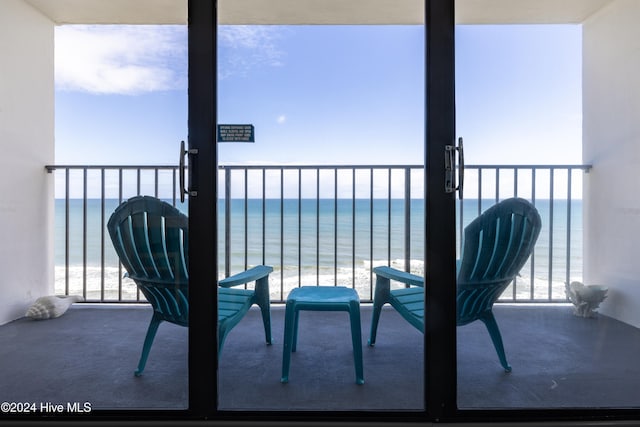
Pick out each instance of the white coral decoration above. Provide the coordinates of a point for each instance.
(586, 299)
(51, 306)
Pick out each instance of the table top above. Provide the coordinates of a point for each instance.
(322, 294)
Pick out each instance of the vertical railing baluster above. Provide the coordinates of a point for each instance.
(66, 228)
(371, 231)
(102, 233)
(173, 187)
(227, 222)
(551, 201)
(246, 219)
(138, 181)
(264, 216)
(299, 226)
(353, 226)
(407, 219)
(281, 228)
(317, 226)
(515, 194)
(335, 226)
(389, 217)
(119, 263)
(568, 244)
(84, 233)
(138, 192)
(533, 253)
(497, 198)
(479, 191)
(155, 180)
(460, 231)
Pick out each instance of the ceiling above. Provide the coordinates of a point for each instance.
(526, 11)
(113, 11)
(316, 11)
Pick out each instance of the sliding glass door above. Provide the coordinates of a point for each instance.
(534, 95)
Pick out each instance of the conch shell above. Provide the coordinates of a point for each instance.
(586, 299)
(51, 306)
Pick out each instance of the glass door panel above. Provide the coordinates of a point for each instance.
(121, 93)
(118, 112)
(331, 186)
(533, 97)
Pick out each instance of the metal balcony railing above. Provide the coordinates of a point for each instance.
(316, 225)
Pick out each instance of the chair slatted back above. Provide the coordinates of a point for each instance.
(497, 244)
(151, 238)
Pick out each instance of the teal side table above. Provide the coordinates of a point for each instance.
(321, 298)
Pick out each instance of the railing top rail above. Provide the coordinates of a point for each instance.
(314, 167)
(586, 167)
(51, 168)
(526, 166)
(483, 166)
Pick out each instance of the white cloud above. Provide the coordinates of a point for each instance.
(244, 47)
(281, 119)
(120, 59)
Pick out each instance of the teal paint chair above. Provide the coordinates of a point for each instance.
(151, 238)
(496, 246)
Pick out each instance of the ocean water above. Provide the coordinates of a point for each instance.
(312, 242)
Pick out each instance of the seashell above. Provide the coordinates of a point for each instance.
(586, 299)
(51, 306)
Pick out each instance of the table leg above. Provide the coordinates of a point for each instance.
(356, 337)
(289, 327)
(294, 346)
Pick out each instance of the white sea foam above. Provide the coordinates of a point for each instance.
(88, 283)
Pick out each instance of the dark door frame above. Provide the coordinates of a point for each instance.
(203, 270)
(440, 239)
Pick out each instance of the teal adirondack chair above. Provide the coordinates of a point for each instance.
(151, 238)
(496, 246)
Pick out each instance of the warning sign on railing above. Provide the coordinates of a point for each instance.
(236, 133)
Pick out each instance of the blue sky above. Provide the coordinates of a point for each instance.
(318, 94)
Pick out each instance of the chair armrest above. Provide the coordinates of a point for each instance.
(399, 276)
(251, 275)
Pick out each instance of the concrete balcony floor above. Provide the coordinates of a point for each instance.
(89, 354)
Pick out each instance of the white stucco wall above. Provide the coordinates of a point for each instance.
(611, 132)
(26, 146)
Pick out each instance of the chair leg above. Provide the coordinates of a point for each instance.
(148, 341)
(266, 320)
(492, 326)
(222, 335)
(262, 299)
(380, 297)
